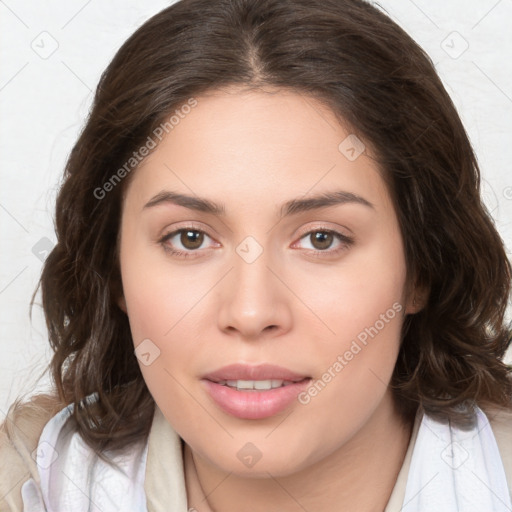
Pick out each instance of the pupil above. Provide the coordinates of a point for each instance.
(191, 239)
(323, 238)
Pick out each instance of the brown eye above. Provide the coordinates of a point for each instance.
(321, 240)
(325, 242)
(185, 242)
(191, 239)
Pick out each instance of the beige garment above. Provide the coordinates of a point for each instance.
(19, 434)
(165, 473)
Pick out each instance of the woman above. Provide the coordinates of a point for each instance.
(275, 282)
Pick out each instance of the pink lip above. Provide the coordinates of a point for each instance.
(254, 404)
(247, 372)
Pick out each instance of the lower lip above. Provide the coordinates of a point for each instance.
(254, 405)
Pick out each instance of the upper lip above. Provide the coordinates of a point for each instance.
(248, 372)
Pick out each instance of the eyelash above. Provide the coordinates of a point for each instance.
(345, 240)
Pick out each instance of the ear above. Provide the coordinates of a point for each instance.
(116, 291)
(417, 299)
(121, 302)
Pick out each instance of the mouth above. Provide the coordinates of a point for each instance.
(254, 392)
(258, 385)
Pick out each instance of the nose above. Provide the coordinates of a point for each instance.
(254, 301)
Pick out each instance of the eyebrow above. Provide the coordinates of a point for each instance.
(292, 207)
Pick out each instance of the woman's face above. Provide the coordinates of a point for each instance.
(275, 274)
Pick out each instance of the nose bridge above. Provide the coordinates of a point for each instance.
(252, 301)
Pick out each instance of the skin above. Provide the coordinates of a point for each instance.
(253, 151)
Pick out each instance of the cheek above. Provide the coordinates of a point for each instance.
(155, 293)
(361, 308)
(157, 317)
(161, 302)
(354, 295)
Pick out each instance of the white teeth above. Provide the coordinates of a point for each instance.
(255, 384)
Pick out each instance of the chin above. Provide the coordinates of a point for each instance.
(248, 461)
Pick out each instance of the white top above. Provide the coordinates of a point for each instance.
(74, 478)
(453, 469)
(450, 470)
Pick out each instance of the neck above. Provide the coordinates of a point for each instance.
(361, 475)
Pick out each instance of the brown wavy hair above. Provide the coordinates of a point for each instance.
(353, 58)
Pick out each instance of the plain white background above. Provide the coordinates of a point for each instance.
(52, 55)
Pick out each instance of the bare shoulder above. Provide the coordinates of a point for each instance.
(19, 435)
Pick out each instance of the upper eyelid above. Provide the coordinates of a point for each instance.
(310, 229)
(190, 225)
(198, 227)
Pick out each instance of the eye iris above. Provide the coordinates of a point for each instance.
(324, 238)
(195, 237)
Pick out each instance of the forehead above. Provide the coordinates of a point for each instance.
(266, 144)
